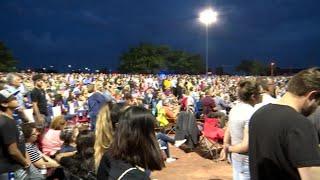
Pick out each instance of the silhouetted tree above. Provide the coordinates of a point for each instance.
(7, 61)
(148, 58)
(252, 67)
(219, 70)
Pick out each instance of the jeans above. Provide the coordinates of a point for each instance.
(240, 170)
(163, 140)
(24, 174)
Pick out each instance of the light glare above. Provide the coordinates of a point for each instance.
(208, 16)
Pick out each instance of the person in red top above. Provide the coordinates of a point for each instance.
(208, 104)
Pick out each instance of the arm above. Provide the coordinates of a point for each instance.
(309, 173)
(16, 154)
(66, 154)
(242, 147)
(36, 111)
(227, 137)
(47, 161)
(28, 158)
(169, 114)
(226, 144)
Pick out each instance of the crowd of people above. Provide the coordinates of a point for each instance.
(115, 126)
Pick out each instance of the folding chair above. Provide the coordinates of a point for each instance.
(211, 135)
(80, 117)
(170, 128)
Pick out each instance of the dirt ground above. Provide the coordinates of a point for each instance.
(193, 166)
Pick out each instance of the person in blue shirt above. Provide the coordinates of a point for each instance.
(95, 101)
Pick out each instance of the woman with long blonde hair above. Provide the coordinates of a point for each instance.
(103, 133)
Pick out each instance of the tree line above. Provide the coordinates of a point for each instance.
(150, 58)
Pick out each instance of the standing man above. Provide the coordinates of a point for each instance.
(315, 119)
(14, 84)
(283, 143)
(39, 101)
(95, 101)
(12, 148)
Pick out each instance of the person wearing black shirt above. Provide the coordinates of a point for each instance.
(134, 151)
(315, 119)
(12, 148)
(39, 101)
(283, 143)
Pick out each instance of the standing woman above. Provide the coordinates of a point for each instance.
(134, 151)
(236, 137)
(103, 133)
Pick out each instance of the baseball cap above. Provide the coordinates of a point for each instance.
(5, 94)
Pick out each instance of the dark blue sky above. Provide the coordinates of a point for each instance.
(90, 33)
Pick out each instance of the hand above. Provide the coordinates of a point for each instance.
(40, 119)
(27, 165)
(223, 155)
(226, 148)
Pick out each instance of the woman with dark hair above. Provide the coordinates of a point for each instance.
(134, 151)
(38, 159)
(81, 165)
(69, 136)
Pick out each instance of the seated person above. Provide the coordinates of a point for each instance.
(163, 140)
(81, 165)
(166, 113)
(212, 127)
(68, 136)
(51, 141)
(38, 159)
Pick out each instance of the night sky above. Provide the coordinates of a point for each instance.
(90, 33)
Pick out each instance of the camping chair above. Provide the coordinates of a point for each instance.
(81, 117)
(186, 128)
(211, 135)
(170, 128)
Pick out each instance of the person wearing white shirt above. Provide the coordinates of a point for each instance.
(268, 92)
(236, 139)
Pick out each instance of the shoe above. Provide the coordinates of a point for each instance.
(163, 147)
(170, 160)
(179, 142)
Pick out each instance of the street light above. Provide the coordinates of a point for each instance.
(272, 68)
(208, 17)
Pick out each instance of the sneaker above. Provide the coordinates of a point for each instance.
(163, 147)
(179, 142)
(170, 160)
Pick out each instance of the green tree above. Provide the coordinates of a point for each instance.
(219, 70)
(7, 61)
(145, 58)
(148, 58)
(252, 67)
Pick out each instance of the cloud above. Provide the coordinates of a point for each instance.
(91, 18)
(42, 41)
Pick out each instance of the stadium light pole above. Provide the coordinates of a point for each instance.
(208, 17)
(272, 68)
